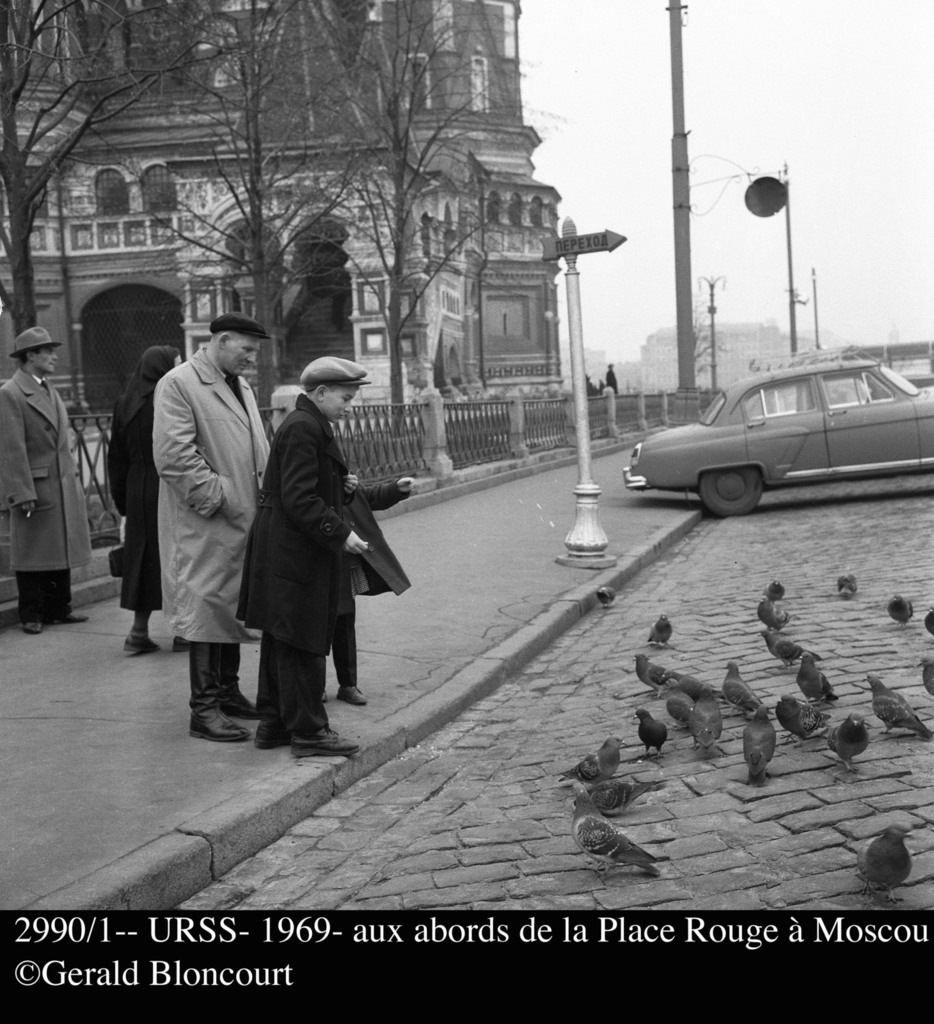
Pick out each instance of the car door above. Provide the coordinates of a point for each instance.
(870, 426)
(785, 429)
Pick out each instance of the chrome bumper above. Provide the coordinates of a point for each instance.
(632, 482)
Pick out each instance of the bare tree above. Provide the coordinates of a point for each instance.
(68, 67)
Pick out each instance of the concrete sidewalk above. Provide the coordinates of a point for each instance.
(109, 804)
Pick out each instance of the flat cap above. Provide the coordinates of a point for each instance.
(240, 324)
(35, 337)
(331, 370)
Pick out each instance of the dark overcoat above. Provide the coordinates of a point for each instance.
(135, 486)
(292, 574)
(36, 464)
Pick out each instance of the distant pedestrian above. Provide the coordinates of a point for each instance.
(134, 483)
(210, 450)
(611, 379)
(49, 533)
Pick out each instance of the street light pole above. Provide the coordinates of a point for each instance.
(814, 300)
(792, 294)
(711, 283)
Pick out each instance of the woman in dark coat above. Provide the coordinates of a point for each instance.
(135, 485)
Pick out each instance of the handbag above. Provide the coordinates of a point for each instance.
(115, 557)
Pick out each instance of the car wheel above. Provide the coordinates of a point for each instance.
(731, 492)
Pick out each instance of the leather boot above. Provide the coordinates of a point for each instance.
(231, 699)
(207, 721)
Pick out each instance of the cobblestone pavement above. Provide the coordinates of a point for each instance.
(476, 818)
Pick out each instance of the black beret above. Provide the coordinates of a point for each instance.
(240, 324)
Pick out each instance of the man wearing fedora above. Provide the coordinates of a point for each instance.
(297, 574)
(39, 485)
(210, 450)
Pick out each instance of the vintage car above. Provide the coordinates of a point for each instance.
(831, 420)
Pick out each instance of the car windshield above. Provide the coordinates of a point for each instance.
(899, 381)
(713, 410)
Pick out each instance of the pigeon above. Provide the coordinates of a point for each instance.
(774, 591)
(801, 720)
(885, 861)
(679, 706)
(929, 621)
(758, 746)
(891, 708)
(846, 586)
(787, 651)
(900, 609)
(927, 674)
(596, 767)
(689, 684)
(612, 797)
(735, 691)
(652, 733)
(770, 615)
(660, 633)
(601, 840)
(649, 673)
(705, 721)
(812, 682)
(606, 596)
(848, 739)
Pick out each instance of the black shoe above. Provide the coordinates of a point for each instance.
(68, 619)
(323, 744)
(32, 627)
(218, 728)
(271, 734)
(139, 645)
(237, 706)
(351, 695)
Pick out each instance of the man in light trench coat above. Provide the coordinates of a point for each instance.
(210, 451)
(49, 533)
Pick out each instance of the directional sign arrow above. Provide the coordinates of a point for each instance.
(579, 245)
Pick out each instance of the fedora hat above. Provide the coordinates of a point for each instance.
(35, 337)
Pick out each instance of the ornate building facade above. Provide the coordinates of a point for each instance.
(142, 238)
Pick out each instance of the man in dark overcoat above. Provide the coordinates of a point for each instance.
(49, 533)
(292, 577)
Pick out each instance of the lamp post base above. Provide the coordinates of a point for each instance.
(586, 543)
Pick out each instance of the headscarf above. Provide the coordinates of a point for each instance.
(154, 364)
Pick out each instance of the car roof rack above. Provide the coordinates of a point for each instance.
(810, 358)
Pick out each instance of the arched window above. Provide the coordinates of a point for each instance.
(450, 235)
(493, 208)
(514, 210)
(113, 196)
(159, 193)
(426, 234)
(535, 211)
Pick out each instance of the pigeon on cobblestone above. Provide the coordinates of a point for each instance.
(929, 621)
(759, 746)
(812, 682)
(885, 861)
(787, 651)
(650, 674)
(660, 633)
(602, 841)
(652, 733)
(900, 609)
(890, 707)
(774, 591)
(801, 720)
(771, 615)
(846, 586)
(679, 705)
(612, 797)
(848, 739)
(689, 684)
(606, 596)
(596, 767)
(927, 674)
(705, 722)
(736, 692)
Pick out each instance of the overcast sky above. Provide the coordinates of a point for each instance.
(840, 90)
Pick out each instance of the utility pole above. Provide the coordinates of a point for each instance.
(681, 193)
(711, 283)
(792, 294)
(814, 300)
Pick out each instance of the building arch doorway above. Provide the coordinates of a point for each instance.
(117, 326)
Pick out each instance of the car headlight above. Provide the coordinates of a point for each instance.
(636, 452)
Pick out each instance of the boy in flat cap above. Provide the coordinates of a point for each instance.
(210, 451)
(40, 486)
(297, 567)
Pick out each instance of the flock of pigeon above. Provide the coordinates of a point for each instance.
(693, 705)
